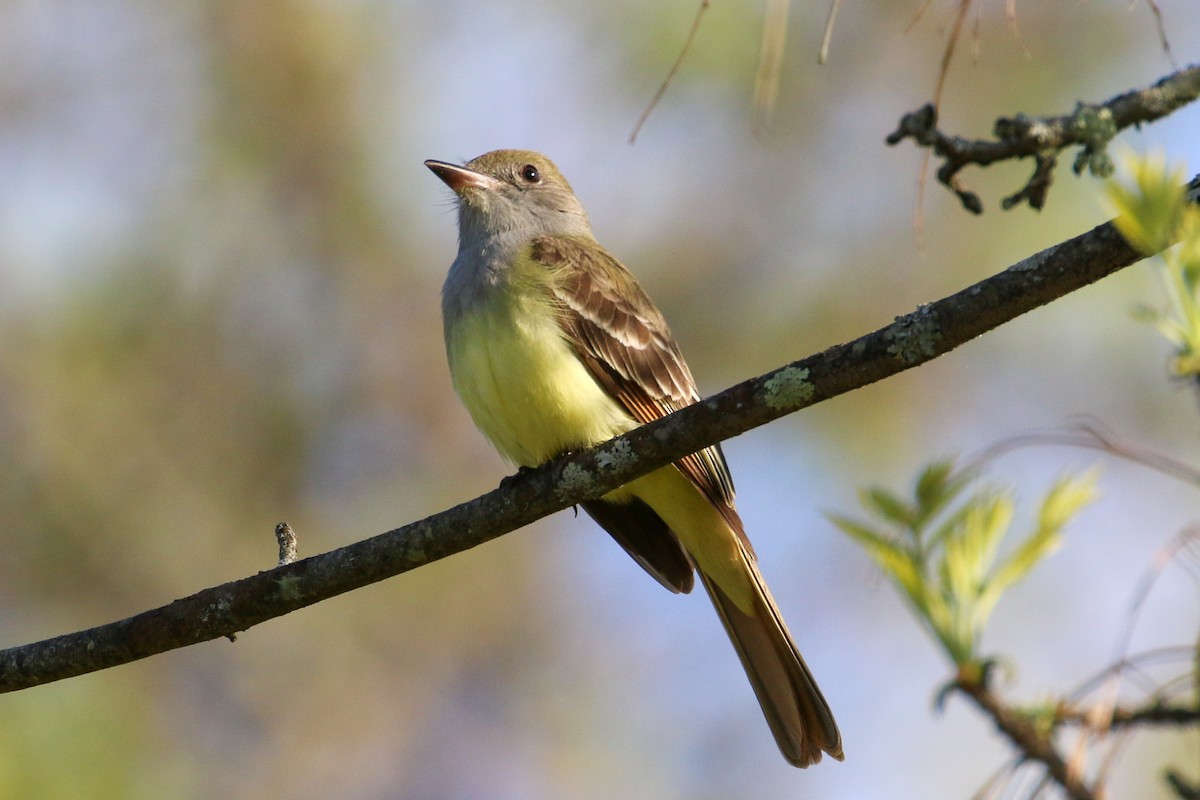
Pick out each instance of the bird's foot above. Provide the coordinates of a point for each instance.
(508, 480)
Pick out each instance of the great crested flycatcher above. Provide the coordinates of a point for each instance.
(553, 346)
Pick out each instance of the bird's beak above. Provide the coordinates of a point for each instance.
(460, 178)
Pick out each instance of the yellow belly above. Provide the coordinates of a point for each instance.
(524, 387)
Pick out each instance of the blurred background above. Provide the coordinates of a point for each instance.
(220, 265)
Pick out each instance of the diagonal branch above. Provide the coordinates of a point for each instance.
(924, 334)
(1091, 126)
(1021, 731)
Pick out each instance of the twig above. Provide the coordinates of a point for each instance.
(1187, 790)
(1162, 30)
(770, 63)
(1091, 126)
(827, 34)
(1090, 434)
(948, 54)
(1153, 714)
(1020, 730)
(662, 89)
(287, 543)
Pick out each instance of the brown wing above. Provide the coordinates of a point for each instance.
(625, 343)
(647, 539)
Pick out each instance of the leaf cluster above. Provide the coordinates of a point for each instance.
(942, 547)
(1152, 212)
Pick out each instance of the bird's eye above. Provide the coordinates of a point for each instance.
(530, 173)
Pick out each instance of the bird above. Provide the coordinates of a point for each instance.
(553, 346)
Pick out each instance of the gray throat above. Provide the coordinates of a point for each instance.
(479, 270)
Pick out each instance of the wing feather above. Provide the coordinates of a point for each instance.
(625, 343)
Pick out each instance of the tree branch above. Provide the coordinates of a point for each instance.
(926, 333)
(1092, 126)
(1034, 745)
(1156, 713)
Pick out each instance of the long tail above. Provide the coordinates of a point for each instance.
(793, 705)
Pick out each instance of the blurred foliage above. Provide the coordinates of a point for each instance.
(1154, 215)
(941, 549)
(1152, 212)
(60, 745)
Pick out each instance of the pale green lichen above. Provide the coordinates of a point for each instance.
(574, 477)
(289, 587)
(615, 456)
(788, 388)
(915, 338)
(219, 608)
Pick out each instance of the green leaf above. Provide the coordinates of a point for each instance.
(1064, 500)
(932, 482)
(1148, 213)
(968, 555)
(949, 577)
(1189, 243)
(950, 525)
(867, 537)
(937, 486)
(1145, 314)
(888, 506)
(896, 563)
(972, 550)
